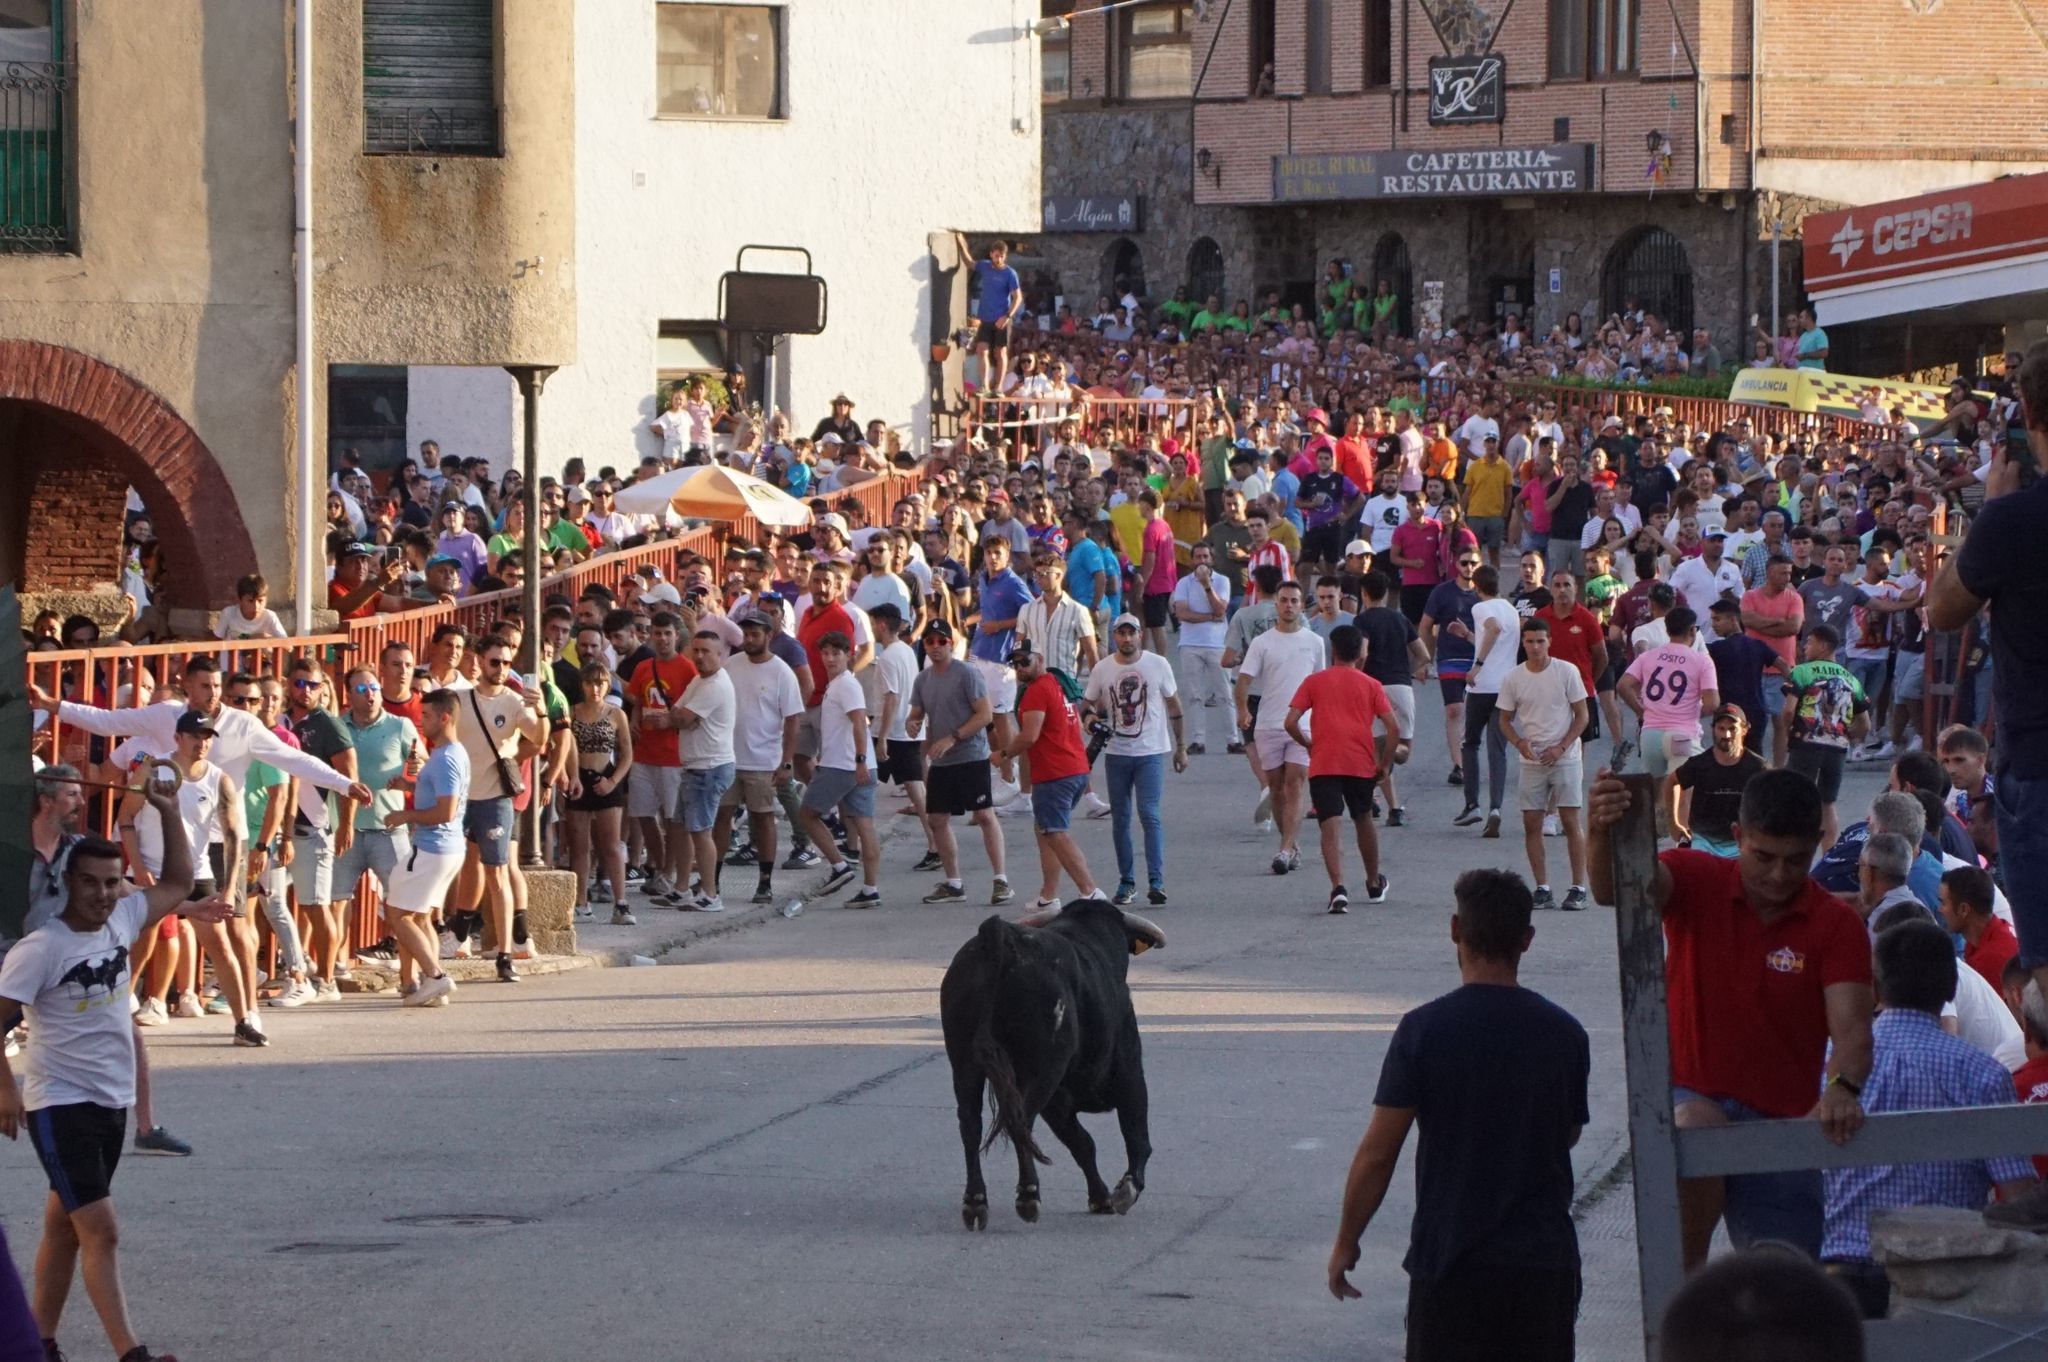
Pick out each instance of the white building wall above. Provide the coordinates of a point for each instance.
(905, 117)
(472, 412)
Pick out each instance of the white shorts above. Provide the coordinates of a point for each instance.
(652, 791)
(1402, 698)
(1561, 785)
(420, 882)
(1001, 682)
(1275, 747)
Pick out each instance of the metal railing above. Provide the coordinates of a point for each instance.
(1101, 420)
(418, 131)
(35, 156)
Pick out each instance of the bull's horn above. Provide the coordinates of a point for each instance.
(1146, 928)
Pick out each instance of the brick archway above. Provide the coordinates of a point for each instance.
(85, 431)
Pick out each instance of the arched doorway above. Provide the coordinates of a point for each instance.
(82, 432)
(1390, 262)
(1205, 270)
(1648, 269)
(1123, 269)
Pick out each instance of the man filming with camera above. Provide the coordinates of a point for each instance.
(1133, 707)
(1049, 736)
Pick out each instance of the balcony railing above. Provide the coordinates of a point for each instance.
(35, 156)
(426, 131)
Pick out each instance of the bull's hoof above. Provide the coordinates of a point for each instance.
(1027, 1209)
(1126, 1195)
(1101, 1205)
(974, 1212)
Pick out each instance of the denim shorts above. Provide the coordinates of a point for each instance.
(1052, 801)
(1764, 1206)
(697, 806)
(375, 850)
(488, 824)
(835, 787)
(312, 868)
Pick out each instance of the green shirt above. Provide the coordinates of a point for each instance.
(566, 535)
(500, 545)
(381, 751)
(1205, 320)
(1216, 462)
(1178, 311)
(1822, 700)
(1236, 323)
(257, 783)
(1600, 594)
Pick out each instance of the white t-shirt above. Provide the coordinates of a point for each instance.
(1541, 703)
(1382, 516)
(1473, 434)
(675, 434)
(1983, 1019)
(1500, 659)
(709, 744)
(233, 624)
(199, 808)
(1208, 634)
(896, 672)
(1280, 663)
(74, 986)
(765, 693)
(835, 724)
(884, 588)
(1134, 696)
(1702, 586)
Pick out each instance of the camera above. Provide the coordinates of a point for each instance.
(1099, 733)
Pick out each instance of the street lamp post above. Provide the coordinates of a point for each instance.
(531, 378)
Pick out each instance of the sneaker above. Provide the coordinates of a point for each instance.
(2027, 1211)
(1397, 817)
(1340, 902)
(217, 1006)
(851, 851)
(329, 990)
(1293, 858)
(1235, 749)
(1492, 823)
(524, 950)
(584, 914)
(449, 945)
(1156, 896)
(1376, 890)
(139, 1353)
(1001, 893)
(1884, 751)
(508, 973)
(600, 892)
(635, 874)
(1097, 806)
(839, 879)
(1376, 811)
(1280, 866)
(1196, 749)
(342, 970)
(1264, 809)
(764, 890)
(1126, 894)
(927, 863)
(431, 992)
(946, 893)
(803, 858)
(157, 1140)
(188, 1007)
(1044, 905)
(623, 918)
(1553, 826)
(248, 1036)
(657, 887)
(1457, 776)
(1541, 899)
(1575, 899)
(385, 952)
(866, 898)
(151, 1013)
(464, 949)
(297, 993)
(709, 903)
(1467, 816)
(746, 855)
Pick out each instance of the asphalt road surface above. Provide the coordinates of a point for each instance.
(750, 1153)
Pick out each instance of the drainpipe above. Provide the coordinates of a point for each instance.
(305, 586)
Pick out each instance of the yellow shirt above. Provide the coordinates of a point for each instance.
(1289, 538)
(1129, 520)
(1486, 488)
(1189, 524)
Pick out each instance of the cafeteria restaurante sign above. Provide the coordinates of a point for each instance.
(1560, 168)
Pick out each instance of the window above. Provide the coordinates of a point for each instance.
(1156, 58)
(1264, 25)
(1649, 270)
(1205, 269)
(1379, 44)
(1123, 269)
(718, 61)
(35, 142)
(683, 349)
(1592, 39)
(366, 405)
(1318, 54)
(430, 78)
(1056, 55)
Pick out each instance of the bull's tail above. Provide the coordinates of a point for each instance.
(1006, 1099)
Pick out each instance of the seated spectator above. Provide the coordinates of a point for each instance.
(1837, 869)
(1979, 1015)
(1916, 1065)
(1966, 903)
(251, 615)
(1766, 1304)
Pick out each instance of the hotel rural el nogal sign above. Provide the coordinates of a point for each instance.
(1559, 168)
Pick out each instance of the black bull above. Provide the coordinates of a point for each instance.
(1040, 1012)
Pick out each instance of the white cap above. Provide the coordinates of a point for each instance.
(1357, 546)
(1126, 621)
(832, 520)
(830, 438)
(665, 593)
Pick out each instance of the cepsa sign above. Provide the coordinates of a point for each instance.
(1935, 231)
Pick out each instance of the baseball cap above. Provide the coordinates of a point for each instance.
(938, 629)
(576, 492)
(832, 520)
(192, 721)
(998, 494)
(759, 619)
(442, 559)
(1731, 712)
(830, 438)
(1126, 621)
(1316, 414)
(664, 592)
(1357, 546)
(1612, 421)
(356, 548)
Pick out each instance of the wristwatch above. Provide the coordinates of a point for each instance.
(1840, 1081)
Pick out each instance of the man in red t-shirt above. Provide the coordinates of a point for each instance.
(826, 614)
(357, 591)
(1967, 894)
(1576, 637)
(1049, 734)
(1344, 757)
(654, 785)
(2030, 1080)
(1765, 971)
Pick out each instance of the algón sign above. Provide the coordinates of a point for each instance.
(1560, 168)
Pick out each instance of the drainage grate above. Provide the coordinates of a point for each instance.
(324, 1248)
(459, 1220)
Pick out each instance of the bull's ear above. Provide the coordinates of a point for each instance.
(1143, 934)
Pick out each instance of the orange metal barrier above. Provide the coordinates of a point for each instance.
(1702, 413)
(1100, 418)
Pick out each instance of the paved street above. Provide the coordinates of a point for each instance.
(751, 1152)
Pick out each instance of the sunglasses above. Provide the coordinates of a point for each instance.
(366, 688)
(304, 683)
(241, 701)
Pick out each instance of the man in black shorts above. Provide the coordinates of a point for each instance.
(950, 711)
(1352, 742)
(71, 975)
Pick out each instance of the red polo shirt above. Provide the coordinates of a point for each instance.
(1993, 949)
(817, 622)
(1748, 1019)
(2030, 1080)
(1572, 639)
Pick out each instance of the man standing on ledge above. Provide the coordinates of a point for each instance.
(1766, 971)
(1493, 1260)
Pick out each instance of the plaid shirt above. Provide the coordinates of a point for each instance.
(1917, 1066)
